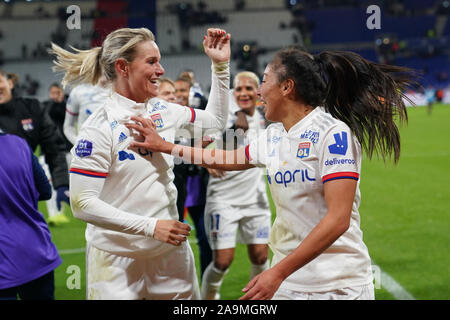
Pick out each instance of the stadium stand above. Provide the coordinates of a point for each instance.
(414, 33)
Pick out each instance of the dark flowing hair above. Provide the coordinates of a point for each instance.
(367, 96)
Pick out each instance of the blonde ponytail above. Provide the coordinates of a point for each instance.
(82, 66)
(87, 66)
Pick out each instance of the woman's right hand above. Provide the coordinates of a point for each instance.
(148, 138)
(171, 231)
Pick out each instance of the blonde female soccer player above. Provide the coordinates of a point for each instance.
(327, 108)
(136, 247)
(236, 202)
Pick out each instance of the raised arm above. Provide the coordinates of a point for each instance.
(217, 47)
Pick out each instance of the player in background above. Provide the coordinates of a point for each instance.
(136, 247)
(190, 179)
(83, 100)
(166, 90)
(55, 109)
(236, 203)
(327, 109)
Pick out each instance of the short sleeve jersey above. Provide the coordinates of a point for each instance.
(84, 100)
(245, 187)
(136, 182)
(318, 149)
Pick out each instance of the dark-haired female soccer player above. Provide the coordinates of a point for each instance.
(327, 107)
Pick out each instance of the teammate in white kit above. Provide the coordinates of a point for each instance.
(136, 247)
(313, 163)
(236, 201)
(83, 101)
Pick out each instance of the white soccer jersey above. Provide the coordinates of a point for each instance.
(83, 101)
(139, 185)
(240, 187)
(317, 149)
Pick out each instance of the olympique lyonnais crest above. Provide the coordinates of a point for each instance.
(27, 124)
(303, 149)
(157, 119)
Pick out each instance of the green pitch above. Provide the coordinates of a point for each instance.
(404, 217)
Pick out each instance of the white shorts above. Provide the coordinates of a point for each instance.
(364, 292)
(223, 222)
(166, 277)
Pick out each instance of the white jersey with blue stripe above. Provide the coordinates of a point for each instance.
(317, 149)
(139, 184)
(83, 101)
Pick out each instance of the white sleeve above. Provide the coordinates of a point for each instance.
(91, 161)
(71, 118)
(256, 150)
(340, 155)
(86, 206)
(216, 112)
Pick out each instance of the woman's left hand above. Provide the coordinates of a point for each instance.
(263, 286)
(217, 45)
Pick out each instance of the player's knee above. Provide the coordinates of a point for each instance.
(259, 259)
(222, 264)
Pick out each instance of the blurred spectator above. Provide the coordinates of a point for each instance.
(29, 256)
(14, 78)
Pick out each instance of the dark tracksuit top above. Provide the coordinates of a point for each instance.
(25, 118)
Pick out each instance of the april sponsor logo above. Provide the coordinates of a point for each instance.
(84, 148)
(336, 161)
(287, 177)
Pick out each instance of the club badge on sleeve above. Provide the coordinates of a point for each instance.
(84, 148)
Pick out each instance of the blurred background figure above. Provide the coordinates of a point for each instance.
(25, 117)
(28, 253)
(190, 179)
(83, 100)
(55, 109)
(166, 90)
(237, 208)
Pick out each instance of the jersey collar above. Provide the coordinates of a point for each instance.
(124, 108)
(300, 123)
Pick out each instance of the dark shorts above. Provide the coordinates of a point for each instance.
(42, 288)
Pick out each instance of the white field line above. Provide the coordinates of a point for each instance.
(392, 286)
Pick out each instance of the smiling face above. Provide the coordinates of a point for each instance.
(182, 89)
(5, 89)
(245, 94)
(270, 94)
(144, 71)
(166, 92)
